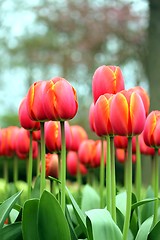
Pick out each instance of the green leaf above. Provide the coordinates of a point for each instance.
(52, 223)
(7, 206)
(144, 229)
(79, 214)
(36, 189)
(148, 208)
(70, 223)
(155, 233)
(121, 202)
(90, 199)
(101, 226)
(30, 219)
(11, 231)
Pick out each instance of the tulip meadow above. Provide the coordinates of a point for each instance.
(73, 192)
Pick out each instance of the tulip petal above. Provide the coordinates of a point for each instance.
(137, 114)
(119, 114)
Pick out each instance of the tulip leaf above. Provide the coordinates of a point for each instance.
(148, 208)
(144, 229)
(100, 225)
(7, 206)
(36, 189)
(52, 223)
(155, 233)
(30, 219)
(11, 231)
(79, 214)
(90, 199)
(71, 227)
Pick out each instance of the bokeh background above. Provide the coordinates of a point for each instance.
(41, 39)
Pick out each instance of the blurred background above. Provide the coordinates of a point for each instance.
(41, 39)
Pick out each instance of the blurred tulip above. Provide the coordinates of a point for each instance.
(34, 101)
(60, 100)
(121, 142)
(102, 115)
(36, 135)
(127, 113)
(144, 149)
(72, 164)
(86, 152)
(23, 144)
(78, 135)
(51, 165)
(121, 155)
(98, 149)
(53, 136)
(24, 118)
(107, 79)
(151, 131)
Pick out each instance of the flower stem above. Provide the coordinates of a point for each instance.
(63, 166)
(108, 176)
(79, 177)
(15, 169)
(113, 179)
(30, 166)
(102, 174)
(138, 171)
(38, 158)
(129, 190)
(43, 161)
(156, 186)
(5, 169)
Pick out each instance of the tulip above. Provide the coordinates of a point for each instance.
(86, 152)
(107, 79)
(53, 136)
(151, 135)
(24, 118)
(102, 115)
(78, 135)
(72, 164)
(51, 165)
(60, 100)
(127, 113)
(121, 142)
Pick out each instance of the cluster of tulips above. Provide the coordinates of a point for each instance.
(125, 129)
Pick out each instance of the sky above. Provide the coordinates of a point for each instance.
(12, 82)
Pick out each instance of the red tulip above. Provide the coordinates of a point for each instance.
(60, 100)
(151, 131)
(24, 118)
(144, 149)
(144, 96)
(53, 136)
(51, 165)
(72, 164)
(78, 135)
(102, 115)
(86, 152)
(121, 155)
(107, 79)
(127, 113)
(35, 98)
(36, 135)
(97, 156)
(121, 142)
(23, 144)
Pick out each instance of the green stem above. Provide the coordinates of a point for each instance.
(15, 169)
(79, 177)
(125, 169)
(102, 174)
(38, 158)
(30, 166)
(43, 161)
(113, 179)
(129, 190)
(63, 166)
(138, 170)
(5, 169)
(108, 176)
(156, 187)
